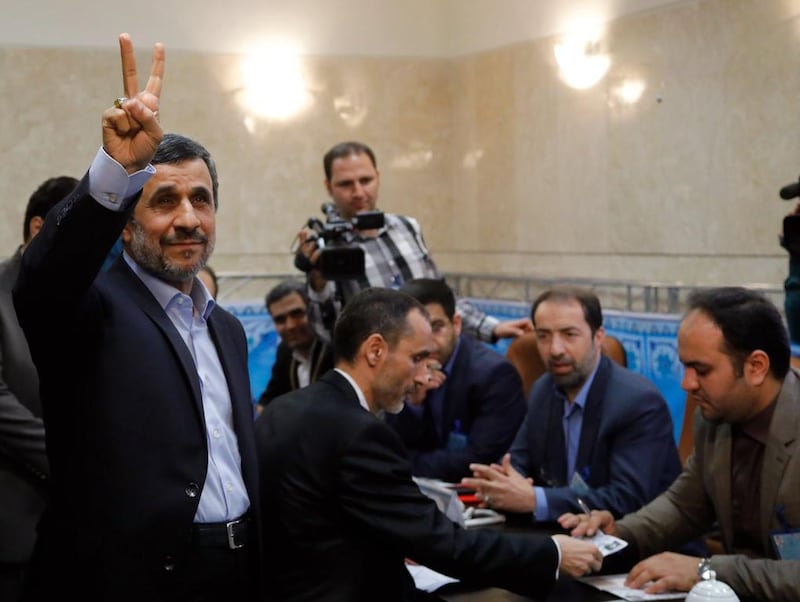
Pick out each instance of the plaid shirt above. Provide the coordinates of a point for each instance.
(397, 254)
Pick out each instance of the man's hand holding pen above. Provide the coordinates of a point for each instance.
(588, 523)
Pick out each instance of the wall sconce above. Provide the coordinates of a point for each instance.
(351, 108)
(629, 91)
(580, 61)
(274, 85)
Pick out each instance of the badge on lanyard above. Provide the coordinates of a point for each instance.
(786, 540)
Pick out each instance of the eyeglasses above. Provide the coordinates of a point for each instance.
(294, 314)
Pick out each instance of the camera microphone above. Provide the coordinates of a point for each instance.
(790, 191)
(329, 209)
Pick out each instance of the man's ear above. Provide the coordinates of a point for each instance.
(599, 335)
(328, 187)
(374, 349)
(457, 323)
(34, 225)
(756, 367)
(126, 233)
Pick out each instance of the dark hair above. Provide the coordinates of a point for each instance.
(592, 312)
(748, 321)
(175, 148)
(345, 149)
(432, 290)
(382, 311)
(44, 198)
(285, 288)
(208, 270)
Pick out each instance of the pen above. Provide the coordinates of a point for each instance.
(584, 507)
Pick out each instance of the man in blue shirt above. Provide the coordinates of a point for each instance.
(594, 430)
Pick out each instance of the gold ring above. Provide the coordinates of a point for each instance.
(118, 102)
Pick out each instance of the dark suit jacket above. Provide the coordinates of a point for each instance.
(23, 461)
(123, 412)
(483, 400)
(284, 370)
(627, 453)
(701, 497)
(341, 511)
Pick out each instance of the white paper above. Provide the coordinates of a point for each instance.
(615, 584)
(445, 497)
(427, 579)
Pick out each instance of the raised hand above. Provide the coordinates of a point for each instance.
(131, 131)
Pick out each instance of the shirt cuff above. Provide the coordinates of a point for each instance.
(558, 549)
(542, 511)
(323, 295)
(110, 184)
(486, 329)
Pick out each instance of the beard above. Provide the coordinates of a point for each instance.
(151, 256)
(580, 371)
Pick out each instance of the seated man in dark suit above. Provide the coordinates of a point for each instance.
(342, 512)
(301, 357)
(472, 404)
(594, 430)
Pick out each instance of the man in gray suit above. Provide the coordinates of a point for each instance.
(744, 473)
(23, 463)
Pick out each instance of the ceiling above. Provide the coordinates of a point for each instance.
(434, 28)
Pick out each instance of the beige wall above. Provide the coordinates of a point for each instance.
(508, 170)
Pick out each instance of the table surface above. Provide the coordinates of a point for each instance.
(565, 590)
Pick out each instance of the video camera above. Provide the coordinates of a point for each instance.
(790, 237)
(338, 260)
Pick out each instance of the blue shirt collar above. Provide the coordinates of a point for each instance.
(164, 292)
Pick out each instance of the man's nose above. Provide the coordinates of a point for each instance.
(421, 373)
(689, 380)
(186, 215)
(556, 346)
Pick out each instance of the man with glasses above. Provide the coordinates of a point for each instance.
(301, 357)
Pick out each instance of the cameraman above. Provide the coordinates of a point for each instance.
(790, 240)
(393, 254)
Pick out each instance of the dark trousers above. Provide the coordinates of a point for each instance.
(215, 574)
(10, 581)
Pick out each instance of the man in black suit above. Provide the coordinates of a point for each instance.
(302, 357)
(23, 458)
(472, 404)
(144, 381)
(340, 507)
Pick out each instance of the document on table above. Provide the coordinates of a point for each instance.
(427, 579)
(615, 584)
